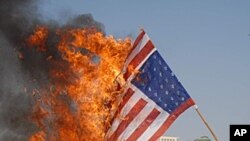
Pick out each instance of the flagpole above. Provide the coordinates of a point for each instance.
(203, 119)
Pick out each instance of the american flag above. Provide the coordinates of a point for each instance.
(153, 99)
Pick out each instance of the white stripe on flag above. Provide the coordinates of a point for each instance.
(154, 126)
(143, 114)
(124, 111)
(137, 49)
(136, 121)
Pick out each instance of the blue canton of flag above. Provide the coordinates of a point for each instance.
(156, 80)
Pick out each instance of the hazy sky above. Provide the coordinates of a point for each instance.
(206, 43)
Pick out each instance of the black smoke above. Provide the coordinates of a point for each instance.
(18, 19)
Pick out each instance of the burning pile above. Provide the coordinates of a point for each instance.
(78, 102)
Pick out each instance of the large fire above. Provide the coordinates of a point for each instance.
(81, 97)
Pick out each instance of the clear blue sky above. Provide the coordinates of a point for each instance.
(206, 43)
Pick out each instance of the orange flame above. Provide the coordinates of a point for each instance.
(82, 96)
(39, 38)
(39, 136)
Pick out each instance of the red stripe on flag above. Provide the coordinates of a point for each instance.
(138, 40)
(129, 117)
(144, 125)
(125, 99)
(139, 58)
(172, 117)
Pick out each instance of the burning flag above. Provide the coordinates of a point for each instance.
(64, 82)
(153, 97)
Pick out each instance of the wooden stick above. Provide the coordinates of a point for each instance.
(203, 119)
